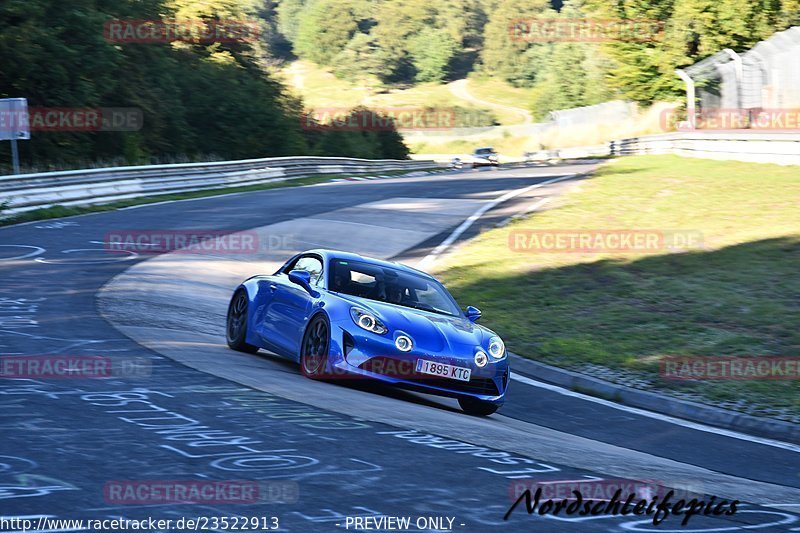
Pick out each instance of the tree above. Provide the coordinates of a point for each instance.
(693, 29)
(569, 75)
(196, 99)
(368, 142)
(289, 14)
(327, 26)
(503, 49)
(431, 51)
(361, 60)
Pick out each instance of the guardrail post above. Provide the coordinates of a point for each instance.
(691, 108)
(737, 69)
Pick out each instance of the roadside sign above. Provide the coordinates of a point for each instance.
(14, 121)
(14, 125)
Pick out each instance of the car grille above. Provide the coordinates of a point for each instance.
(380, 365)
(484, 386)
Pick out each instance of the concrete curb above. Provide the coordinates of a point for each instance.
(704, 414)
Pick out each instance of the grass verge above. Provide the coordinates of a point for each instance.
(508, 145)
(618, 315)
(501, 92)
(321, 89)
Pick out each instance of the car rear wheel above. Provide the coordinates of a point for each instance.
(314, 350)
(474, 407)
(236, 329)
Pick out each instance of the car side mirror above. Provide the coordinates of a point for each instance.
(303, 278)
(473, 313)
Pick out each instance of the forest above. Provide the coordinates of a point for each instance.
(220, 98)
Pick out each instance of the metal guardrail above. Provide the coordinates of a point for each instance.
(20, 193)
(754, 147)
(26, 192)
(765, 147)
(577, 152)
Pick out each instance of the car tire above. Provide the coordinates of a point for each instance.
(236, 325)
(474, 407)
(314, 348)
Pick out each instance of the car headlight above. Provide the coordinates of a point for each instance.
(496, 348)
(404, 343)
(367, 321)
(481, 359)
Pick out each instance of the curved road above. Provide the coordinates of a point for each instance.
(321, 454)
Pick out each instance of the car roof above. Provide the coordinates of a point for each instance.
(328, 255)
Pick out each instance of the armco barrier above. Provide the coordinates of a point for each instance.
(752, 147)
(86, 187)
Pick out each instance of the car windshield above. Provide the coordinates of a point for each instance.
(484, 151)
(391, 285)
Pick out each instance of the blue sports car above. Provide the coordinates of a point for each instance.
(343, 315)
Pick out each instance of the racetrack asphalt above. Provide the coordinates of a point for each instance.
(346, 451)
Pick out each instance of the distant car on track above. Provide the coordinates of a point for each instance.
(485, 157)
(456, 164)
(344, 315)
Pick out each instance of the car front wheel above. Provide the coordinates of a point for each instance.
(236, 327)
(314, 349)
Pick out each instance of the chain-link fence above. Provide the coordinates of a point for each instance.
(762, 82)
(593, 115)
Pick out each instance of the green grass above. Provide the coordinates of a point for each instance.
(497, 90)
(501, 92)
(507, 146)
(739, 294)
(320, 89)
(60, 211)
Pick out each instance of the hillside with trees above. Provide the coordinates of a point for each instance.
(198, 100)
(421, 40)
(224, 100)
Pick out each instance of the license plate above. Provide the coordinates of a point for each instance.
(443, 370)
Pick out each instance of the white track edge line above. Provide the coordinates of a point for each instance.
(657, 416)
(428, 260)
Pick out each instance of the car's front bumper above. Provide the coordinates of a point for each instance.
(375, 357)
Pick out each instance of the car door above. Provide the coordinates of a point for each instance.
(288, 309)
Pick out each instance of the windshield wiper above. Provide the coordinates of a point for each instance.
(430, 309)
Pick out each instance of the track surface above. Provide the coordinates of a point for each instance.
(344, 451)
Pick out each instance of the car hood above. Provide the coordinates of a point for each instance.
(430, 331)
